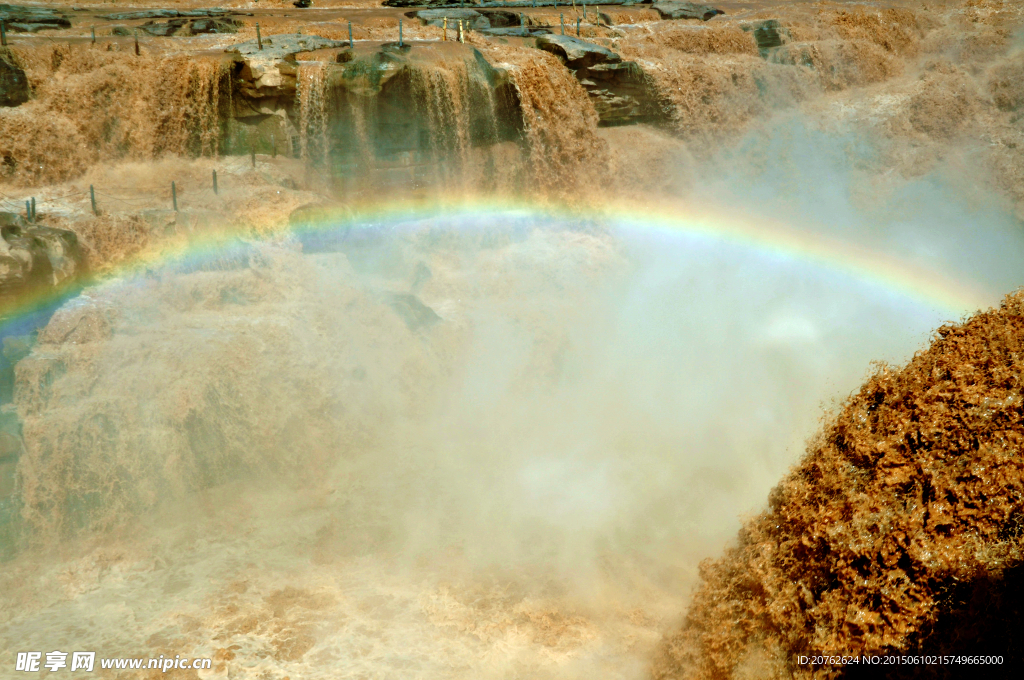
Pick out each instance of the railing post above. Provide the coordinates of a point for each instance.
(92, 197)
(136, 42)
(350, 43)
(259, 38)
(215, 192)
(174, 196)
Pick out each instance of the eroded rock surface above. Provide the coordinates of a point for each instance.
(168, 14)
(187, 27)
(577, 53)
(20, 18)
(436, 17)
(671, 9)
(34, 258)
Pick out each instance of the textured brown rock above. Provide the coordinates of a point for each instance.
(900, 532)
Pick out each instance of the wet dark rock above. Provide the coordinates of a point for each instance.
(621, 93)
(417, 3)
(168, 14)
(420, 275)
(518, 32)
(577, 53)
(14, 88)
(303, 4)
(200, 26)
(164, 29)
(503, 18)
(435, 17)
(498, 4)
(412, 311)
(187, 27)
(31, 19)
(671, 9)
(29, 28)
(768, 34)
(122, 31)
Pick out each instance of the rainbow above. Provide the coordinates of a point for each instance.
(922, 286)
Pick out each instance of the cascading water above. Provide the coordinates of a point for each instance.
(313, 100)
(140, 108)
(444, 440)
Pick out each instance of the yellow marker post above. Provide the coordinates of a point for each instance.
(445, 38)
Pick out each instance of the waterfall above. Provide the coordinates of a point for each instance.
(312, 94)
